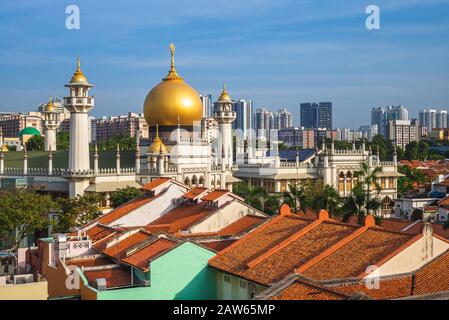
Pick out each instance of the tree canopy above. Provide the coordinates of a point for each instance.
(35, 143)
(124, 195)
(23, 213)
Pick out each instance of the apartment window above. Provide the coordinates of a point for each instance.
(252, 290)
(242, 284)
(227, 278)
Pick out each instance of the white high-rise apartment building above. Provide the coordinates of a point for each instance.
(206, 100)
(282, 119)
(263, 121)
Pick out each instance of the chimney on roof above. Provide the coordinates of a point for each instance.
(428, 241)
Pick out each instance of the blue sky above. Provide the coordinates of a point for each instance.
(279, 53)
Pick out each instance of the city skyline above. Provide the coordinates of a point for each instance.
(336, 60)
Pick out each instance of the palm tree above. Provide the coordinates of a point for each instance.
(272, 204)
(357, 204)
(367, 177)
(328, 199)
(295, 197)
(253, 195)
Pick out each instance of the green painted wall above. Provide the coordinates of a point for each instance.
(182, 273)
(234, 291)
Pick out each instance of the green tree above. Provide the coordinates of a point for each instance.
(328, 199)
(295, 197)
(254, 196)
(124, 195)
(272, 204)
(126, 143)
(78, 211)
(35, 143)
(23, 213)
(62, 140)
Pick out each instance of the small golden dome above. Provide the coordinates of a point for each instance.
(5, 148)
(172, 99)
(50, 106)
(78, 76)
(157, 146)
(224, 97)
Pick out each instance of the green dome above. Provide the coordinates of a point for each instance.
(29, 131)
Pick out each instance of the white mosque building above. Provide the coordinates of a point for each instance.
(179, 150)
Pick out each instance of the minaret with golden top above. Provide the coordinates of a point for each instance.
(50, 124)
(79, 103)
(224, 115)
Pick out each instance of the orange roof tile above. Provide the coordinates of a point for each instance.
(122, 210)
(140, 259)
(352, 259)
(118, 250)
(235, 257)
(99, 232)
(244, 224)
(116, 277)
(155, 183)
(194, 193)
(300, 290)
(181, 217)
(89, 262)
(214, 195)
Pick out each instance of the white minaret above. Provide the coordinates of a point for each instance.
(79, 103)
(50, 124)
(224, 115)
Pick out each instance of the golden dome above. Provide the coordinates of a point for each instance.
(50, 106)
(5, 148)
(224, 96)
(78, 76)
(157, 146)
(172, 99)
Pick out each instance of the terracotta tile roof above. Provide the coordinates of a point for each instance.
(140, 259)
(181, 217)
(235, 257)
(395, 224)
(116, 277)
(244, 224)
(438, 229)
(214, 195)
(155, 183)
(300, 290)
(119, 249)
(99, 232)
(89, 262)
(124, 210)
(431, 278)
(194, 193)
(278, 264)
(352, 259)
(394, 287)
(218, 245)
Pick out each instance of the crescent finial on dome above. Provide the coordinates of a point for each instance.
(172, 74)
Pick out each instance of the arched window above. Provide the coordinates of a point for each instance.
(187, 181)
(194, 181)
(201, 181)
(341, 187)
(348, 182)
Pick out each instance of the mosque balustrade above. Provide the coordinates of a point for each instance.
(78, 101)
(294, 165)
